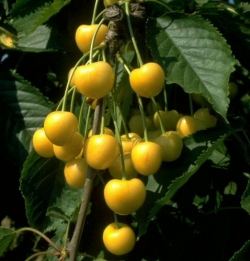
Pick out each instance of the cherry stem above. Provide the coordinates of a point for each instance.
(87, 123)
(163, 131)
(75, 241)
(67, 88)
(98, 48)
(123, 121)
(52, 244)
(165, 99)
(93, 41)
(120, 59)
(81, 116)
(40, 254)
(143, 117)
(100, 15)
(89, 256)
(117, 131)
(94, 11)
(128, 68)
(72, 102)
(116, 221)
(62, 100)
(103, 117)
(69, 80)
(65, 241)
(131, 32)
(104, 58)
(191, 104)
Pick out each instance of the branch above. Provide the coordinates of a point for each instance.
(74, 243)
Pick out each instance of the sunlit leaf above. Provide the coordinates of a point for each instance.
(194, 55)
(30, 14)
(36, 41)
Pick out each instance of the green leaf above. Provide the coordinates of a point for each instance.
(243, 254)
(6, 237)
(36, 40)
(23, 109)
(245, 200)
(68, 201)
(28, 15)
(231, 188)
(59, 230)
(244, 7)
(48, 199)
(57, 213)
(194, 55)
(220, 156)
(197, 149)
(37, 181)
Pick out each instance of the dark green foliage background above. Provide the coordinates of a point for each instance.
(197, 208)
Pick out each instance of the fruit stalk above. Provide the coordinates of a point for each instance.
(42, 253)
(93, 40)
(191, 105)
(163, 131)
(116, 221)
(74, 243)
(119, 141)
(132, 34)
(94, 11)
(143, 117)
(52, 244)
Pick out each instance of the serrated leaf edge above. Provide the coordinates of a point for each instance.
(22, 80)
(185, 176)
(238, 252)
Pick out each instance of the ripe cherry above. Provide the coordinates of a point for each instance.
(146, 157)
(148, 80)
(125, 196)
(60, 126)
(101, 151)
